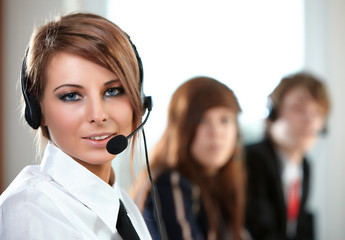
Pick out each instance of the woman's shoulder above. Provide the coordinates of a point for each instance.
(173, 178)
(28, 206)
(26, 189)
(26, 198)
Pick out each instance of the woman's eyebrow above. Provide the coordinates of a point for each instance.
(68, 85)
(111, 82)
(81, 87)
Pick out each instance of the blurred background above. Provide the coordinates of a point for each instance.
(249, 45)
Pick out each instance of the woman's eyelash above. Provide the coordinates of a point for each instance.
(70, 96)
(115, 91)
(75, 96)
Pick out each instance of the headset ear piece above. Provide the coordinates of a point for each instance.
(148, 103)
(33, 112)
(32, 106)
(324, 130)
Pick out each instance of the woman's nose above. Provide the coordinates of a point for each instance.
(97, 111)
(214, 129)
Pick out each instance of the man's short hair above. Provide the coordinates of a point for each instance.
(305, 80)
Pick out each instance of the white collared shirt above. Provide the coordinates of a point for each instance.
(291, 171)
(61, 199)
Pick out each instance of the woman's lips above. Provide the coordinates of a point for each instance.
(99, 137)
(99, 140)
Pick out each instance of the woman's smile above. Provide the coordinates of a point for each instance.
(99, 139)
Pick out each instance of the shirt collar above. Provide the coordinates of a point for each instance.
(290, 170)
(82, 184)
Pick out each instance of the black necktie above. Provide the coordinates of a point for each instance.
(124, 225)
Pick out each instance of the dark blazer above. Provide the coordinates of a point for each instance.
(266, 207)
(181, 208)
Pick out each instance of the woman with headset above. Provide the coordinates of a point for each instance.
(198, 167)
(81, 81)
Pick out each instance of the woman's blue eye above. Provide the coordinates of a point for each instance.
(114, 91)
(70, 97)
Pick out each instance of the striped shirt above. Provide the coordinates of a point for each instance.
(183, 214)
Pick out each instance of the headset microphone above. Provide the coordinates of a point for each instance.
(120, 142)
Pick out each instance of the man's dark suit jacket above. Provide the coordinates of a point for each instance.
(266, 207)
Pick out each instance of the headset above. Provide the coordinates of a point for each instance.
(32, 106)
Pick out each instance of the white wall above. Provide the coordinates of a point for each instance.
(325, 55)
(19, 21)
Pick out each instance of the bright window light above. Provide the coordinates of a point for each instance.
(249, 45)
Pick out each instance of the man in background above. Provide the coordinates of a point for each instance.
(278, 171)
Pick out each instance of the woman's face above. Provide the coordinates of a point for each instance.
(83, 106)
(215, 138)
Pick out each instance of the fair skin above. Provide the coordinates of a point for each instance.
(215, 139)
(301, 118)
(84, 106)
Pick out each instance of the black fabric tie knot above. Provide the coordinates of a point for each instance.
(124, 225)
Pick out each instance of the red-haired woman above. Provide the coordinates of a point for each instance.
(198, 167)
